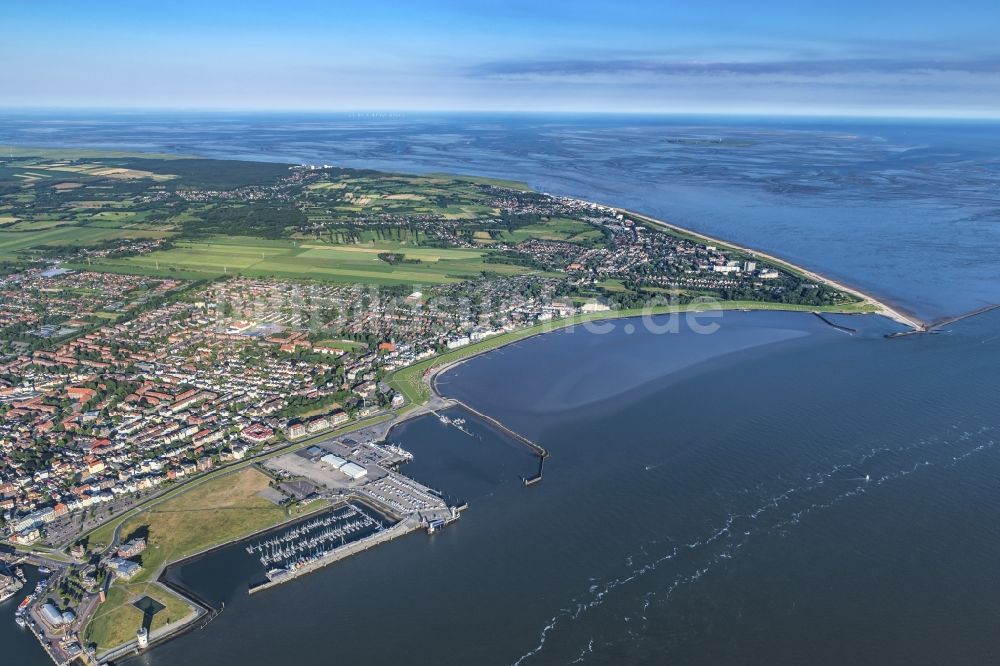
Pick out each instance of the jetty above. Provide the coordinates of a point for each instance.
(937, 325)
(829, 322)
(440, 401)
(535, 448)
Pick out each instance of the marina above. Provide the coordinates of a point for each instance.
(313, 540)
(372, 503)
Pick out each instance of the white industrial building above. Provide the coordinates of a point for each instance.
(354, 470)
(333, 461)
(54, 618)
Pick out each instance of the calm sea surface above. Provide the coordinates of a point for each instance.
(776, 492)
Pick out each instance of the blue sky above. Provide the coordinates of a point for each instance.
(879, 57)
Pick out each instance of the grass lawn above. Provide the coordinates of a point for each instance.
(346, 345)
(117, 620)
(214, 512)
(256, 257)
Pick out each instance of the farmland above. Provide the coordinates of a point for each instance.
(255, 257)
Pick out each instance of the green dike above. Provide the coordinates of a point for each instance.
(409, 380)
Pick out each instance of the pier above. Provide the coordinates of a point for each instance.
(443, 401)
(537, 449)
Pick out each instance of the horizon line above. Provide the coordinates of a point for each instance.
(886, 115)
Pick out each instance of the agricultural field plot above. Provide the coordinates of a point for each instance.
(104, 171)
(38, 225)
(14, 244)
(287, 259)
(120, 216)
(449, 197)
(556, 229)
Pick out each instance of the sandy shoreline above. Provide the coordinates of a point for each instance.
(894, 313)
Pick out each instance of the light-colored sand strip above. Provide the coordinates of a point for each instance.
(882, 307)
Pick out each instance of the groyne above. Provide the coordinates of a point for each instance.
(831, 323)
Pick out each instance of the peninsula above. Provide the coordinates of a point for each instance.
(197, 351)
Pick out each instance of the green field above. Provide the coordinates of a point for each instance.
(13, 242)
(346, 345)
(117, 620)
(557, 229)
(176, 525)
(257, 257)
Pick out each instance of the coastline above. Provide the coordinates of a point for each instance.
(893, 312)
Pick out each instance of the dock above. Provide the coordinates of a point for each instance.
(401, 528)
